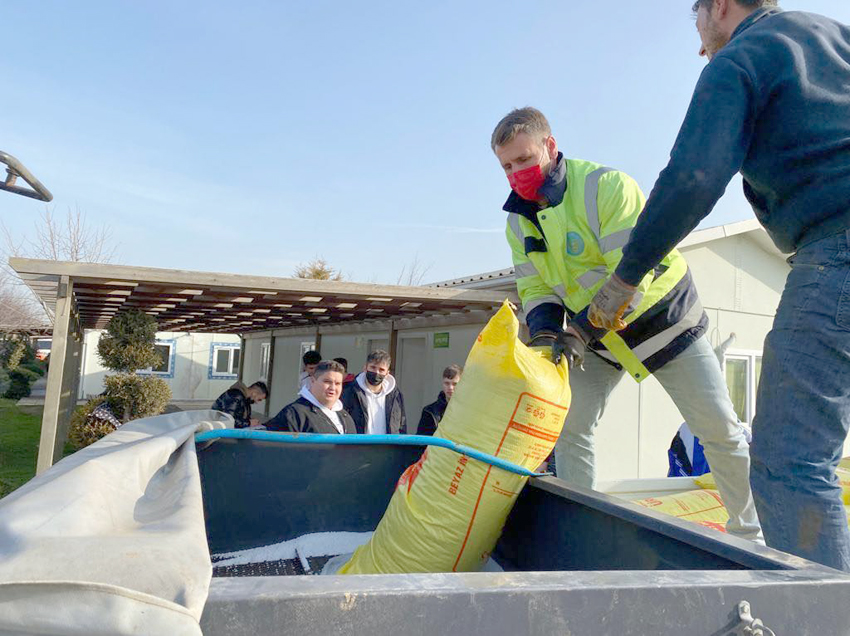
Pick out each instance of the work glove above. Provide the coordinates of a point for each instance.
(570, 343)
(609, 304)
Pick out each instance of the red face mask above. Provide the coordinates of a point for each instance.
(527, 182)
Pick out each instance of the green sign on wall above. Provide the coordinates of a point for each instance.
(441, 340)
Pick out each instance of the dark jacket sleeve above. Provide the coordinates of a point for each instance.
(234, 404)
(711, 147)
(290, 420)
(347, 423)
(427, 426)
(402, 427)
(279, 422)
(582, 322)
(351, 403)
(545, 317)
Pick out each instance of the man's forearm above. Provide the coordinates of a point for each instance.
(581, 321)
(548, 317)
(677, 204)
(709, 150)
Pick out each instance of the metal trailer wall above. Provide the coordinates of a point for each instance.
(577, 562)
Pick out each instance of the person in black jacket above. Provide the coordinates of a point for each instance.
(373, 399)
(318, 408)
(433, 413)
(237, 401)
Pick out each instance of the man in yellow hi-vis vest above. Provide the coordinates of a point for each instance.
(568, 221)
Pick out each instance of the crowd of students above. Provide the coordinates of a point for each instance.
(332, 401)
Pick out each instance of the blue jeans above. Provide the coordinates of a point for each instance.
(804, 408)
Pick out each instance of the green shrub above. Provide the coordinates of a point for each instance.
(15, 353)
(28, 374)
(129, 342)
(28, 354)
(129, 396)
(83, 431)
(134, 396)
(20, 381)
(35, 367)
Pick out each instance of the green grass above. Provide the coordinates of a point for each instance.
(19, 433)
(20, 428)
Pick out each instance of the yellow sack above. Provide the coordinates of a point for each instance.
(707, 482)
(700, 506)
(843, 474)
(448, 510)
(706, 508)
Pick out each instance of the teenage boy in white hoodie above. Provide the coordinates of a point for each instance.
(373, 399)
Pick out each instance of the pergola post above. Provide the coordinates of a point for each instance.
(270, 377)
(239, 374)
(393, 346)
(62, 379)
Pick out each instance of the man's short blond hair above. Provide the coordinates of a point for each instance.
(526, 120)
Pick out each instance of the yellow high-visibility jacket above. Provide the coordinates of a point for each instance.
(562, 255)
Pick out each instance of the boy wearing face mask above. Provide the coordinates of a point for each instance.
(373, 399)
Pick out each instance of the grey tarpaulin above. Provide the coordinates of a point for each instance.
(111, 540)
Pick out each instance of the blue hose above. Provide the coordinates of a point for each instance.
(366, 440)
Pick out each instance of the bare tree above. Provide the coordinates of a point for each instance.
(65, 239)
(413, 273)
(318, 269)
(19, 310)
(71, 239)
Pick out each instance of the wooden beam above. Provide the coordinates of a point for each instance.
(56, 376)
(123, 274)
(393, 347)
(270, 377)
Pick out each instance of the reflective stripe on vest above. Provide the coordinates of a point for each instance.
(615, 241)
(513, 223)
(591, 190)
(593, 276)
(525, 269)
(531, 305)
(656, 343)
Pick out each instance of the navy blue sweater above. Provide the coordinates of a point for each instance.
(773, 104)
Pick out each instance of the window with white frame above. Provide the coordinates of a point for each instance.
(165, 366)
(743, 370)
(224, 360)
(265, 357)
(305, 347)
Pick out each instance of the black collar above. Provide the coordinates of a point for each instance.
(553, 190)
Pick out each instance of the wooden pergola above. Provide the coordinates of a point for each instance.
(83, 296)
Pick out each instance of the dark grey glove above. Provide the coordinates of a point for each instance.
(567, 343)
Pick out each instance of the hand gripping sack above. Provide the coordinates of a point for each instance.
(448, 510)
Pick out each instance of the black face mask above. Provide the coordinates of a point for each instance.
(374, 378)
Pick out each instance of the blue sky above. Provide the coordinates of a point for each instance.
(249, 138)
